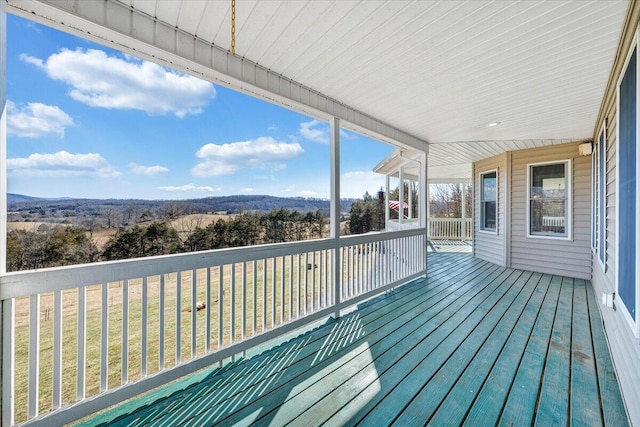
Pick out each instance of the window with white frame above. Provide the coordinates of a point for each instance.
(602, 194)
(488, 201)
(549, 209)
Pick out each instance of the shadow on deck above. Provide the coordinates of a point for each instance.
(472, 344)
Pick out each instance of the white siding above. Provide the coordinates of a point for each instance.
(554, 256)
(486, 245)
(624, 346)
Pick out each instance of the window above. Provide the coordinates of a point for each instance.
(549, 200)
(488, 198)
(602, 194)
(627, 191)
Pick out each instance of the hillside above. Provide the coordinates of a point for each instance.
(68, 210)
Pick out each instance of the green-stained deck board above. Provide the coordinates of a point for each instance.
(473, 343)
(500, 320)
(520, 406)
(455, 405)
(612, 407)
(492, 397)
(584, 407)
(553, 401)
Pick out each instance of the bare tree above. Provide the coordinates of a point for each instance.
(111, 216)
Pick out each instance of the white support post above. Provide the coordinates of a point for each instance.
(424, 204)
(6, 348)
(423, 196)
(463, 227)
(387, 209)
(3, 137)
(410, 200)
(401, 197)
(335, 213)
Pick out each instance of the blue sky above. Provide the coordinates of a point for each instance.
(87, 121)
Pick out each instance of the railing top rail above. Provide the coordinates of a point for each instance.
(12, 285)
(24, 283)
(358, 239)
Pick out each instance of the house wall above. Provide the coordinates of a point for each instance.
(623, 343)
(486, 245)
(566, 257)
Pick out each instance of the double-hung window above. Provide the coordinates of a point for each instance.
(488, 201)
(549, 194)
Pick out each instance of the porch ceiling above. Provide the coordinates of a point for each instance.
(438, 71)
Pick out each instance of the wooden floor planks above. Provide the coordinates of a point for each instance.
(473, 344)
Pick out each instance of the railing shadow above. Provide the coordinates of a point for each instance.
(250, 390)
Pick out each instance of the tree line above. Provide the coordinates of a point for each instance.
(65, 245)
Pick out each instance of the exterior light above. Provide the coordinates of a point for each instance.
(493, 124)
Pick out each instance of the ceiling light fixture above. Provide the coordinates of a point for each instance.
(493, 124)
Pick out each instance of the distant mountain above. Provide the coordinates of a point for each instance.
(17, 198)
(229, 204)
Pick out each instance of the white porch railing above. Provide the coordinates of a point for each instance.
(78, 339)
(451, 228)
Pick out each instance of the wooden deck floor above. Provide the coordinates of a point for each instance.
(474, 344)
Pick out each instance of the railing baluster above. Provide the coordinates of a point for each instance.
(273, 292)
(194, 314)
(104, 339)
(299, 295)
(124, 358)
(306, 283)
(320, 280)
(220, 307)
(161, 337)
(313, 283)
(144, 323)
(178, 317)
(368, 267)
(34, 355)
(232, 304)
(282, 300)
(57, 350)
(255, 299)
(290, 299)
(207, 312)
(264, 294)
(244, 300)
(8, 361)
(82, 343)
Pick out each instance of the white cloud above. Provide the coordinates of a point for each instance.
(99, 80)
(36, 120)
(354, 184)
(189, 187)
(260, 153)
(315, 131)
(318, 131)
(272, 128)
(248, 190)
(147, 170)
(293, 190)
(62, 163)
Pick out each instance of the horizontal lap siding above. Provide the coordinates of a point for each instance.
(553, 256)
(623, 344)
(487, 246)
